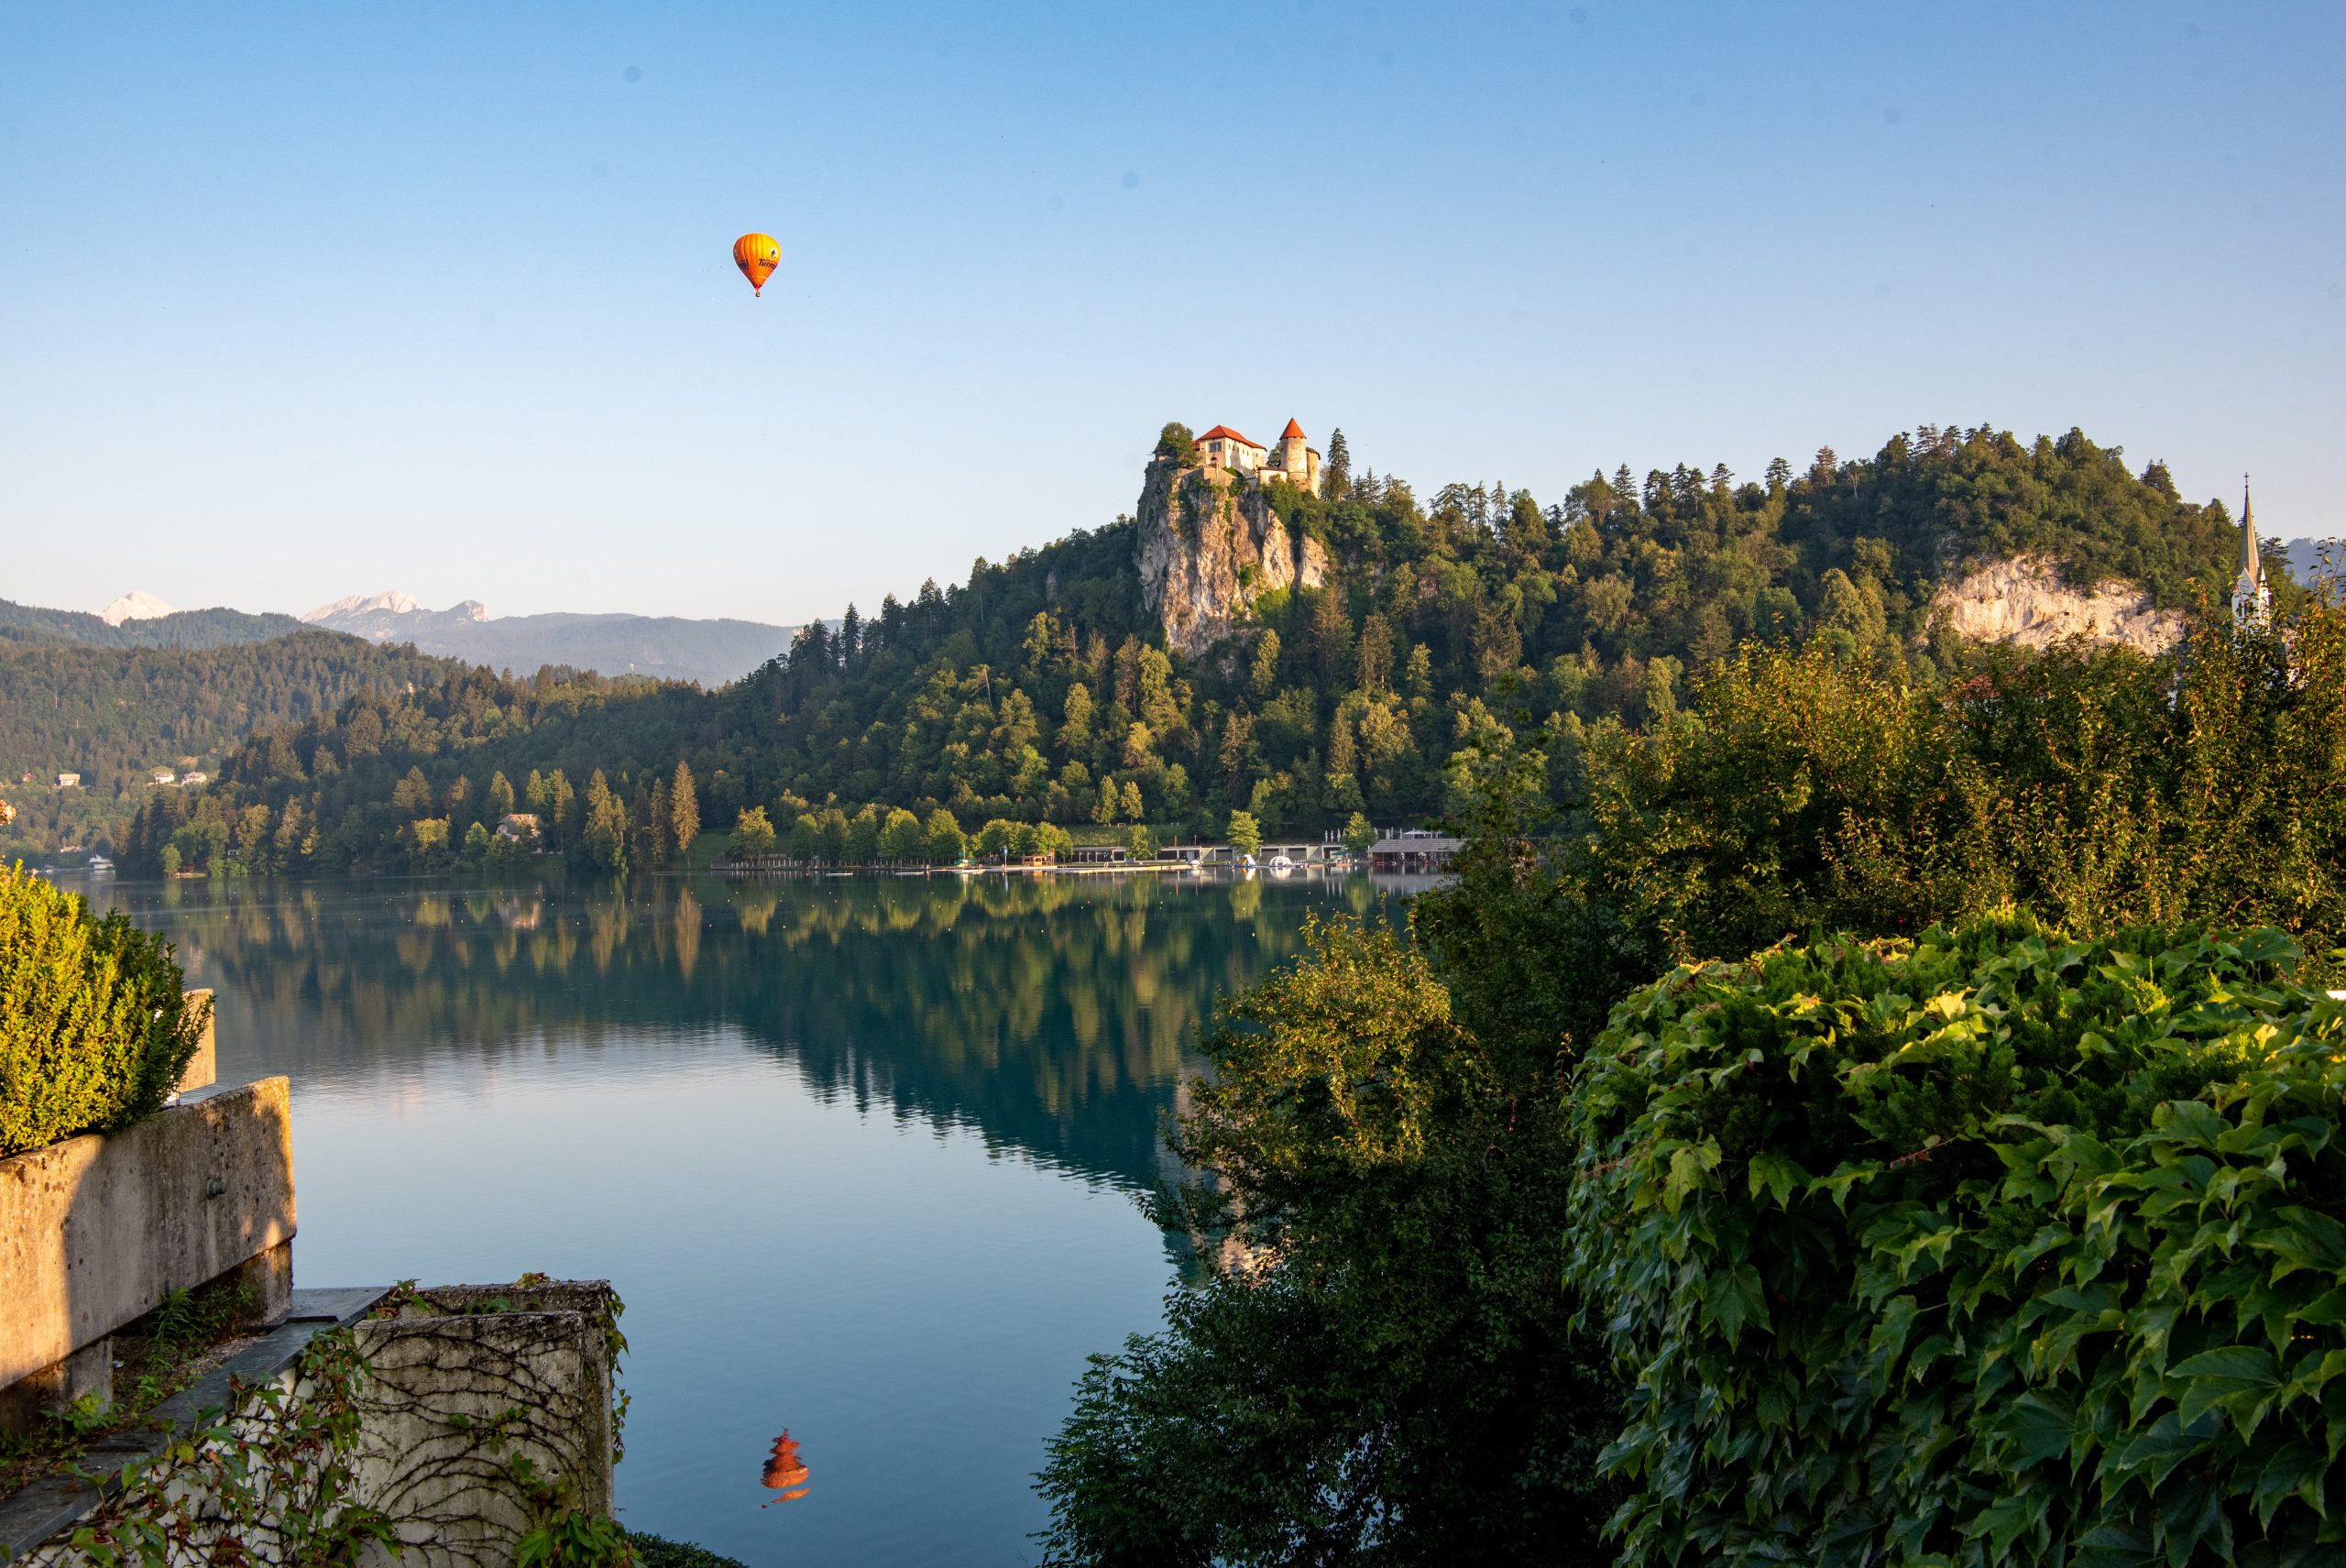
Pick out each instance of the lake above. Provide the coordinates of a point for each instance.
(860, 1154)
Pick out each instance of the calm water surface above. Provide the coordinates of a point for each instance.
(860, 1155)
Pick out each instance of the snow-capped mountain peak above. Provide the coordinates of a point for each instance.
(135, 605)
(391, 601)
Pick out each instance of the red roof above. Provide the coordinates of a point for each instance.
(1223, 433)
(1293, 432)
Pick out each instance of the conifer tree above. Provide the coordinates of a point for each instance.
(1265, 675)
(656, 822)
(560, 798)
(602, 843)
(683, 810)
(1336, 473)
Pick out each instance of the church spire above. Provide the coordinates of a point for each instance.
(2252, 559)
(2251, 597)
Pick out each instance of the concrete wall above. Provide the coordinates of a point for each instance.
(95, 1231)
(467, 1379)
(202, 1068)
(462, 1383)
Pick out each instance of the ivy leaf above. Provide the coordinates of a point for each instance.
(2222, 1374)
(2295, 1470)
(1733, 1299)
(1777, 1175)
(2039, 1426)
(2303, 1239)
(1687, 1168)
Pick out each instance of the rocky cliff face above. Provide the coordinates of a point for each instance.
(2024, 600)
(1209, 545)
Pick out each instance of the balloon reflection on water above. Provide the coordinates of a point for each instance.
(785, 1472)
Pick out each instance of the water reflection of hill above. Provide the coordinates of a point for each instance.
(1051, 1014)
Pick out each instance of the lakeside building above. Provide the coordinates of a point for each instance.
(1293, 459)
(519, 827)
(1414, 851)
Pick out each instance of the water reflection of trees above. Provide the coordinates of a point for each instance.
(1049, 1013)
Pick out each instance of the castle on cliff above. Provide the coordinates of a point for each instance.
(1294, 460)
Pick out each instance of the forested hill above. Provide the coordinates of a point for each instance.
(182, 629)
(112, 715)
(1041, 689)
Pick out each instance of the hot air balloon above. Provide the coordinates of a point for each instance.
(757, 255)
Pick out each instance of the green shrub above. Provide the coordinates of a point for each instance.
(94, 1031)
(1990, 1248)
(653, 1551)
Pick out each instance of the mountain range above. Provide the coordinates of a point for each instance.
(666, 647)
(2316, 560)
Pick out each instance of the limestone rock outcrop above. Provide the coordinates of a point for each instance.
(2024, 600)
(1210, 544)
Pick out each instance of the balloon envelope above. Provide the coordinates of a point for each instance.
(757, 255)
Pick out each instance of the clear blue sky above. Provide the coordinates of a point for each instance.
(300, 300)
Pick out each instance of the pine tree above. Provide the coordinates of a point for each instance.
(1372, 669)
(1419, 681)
(412, 796)
(683, 811)
(560, 799)
(1336, 473)
(501, 797)
(1265, 673)
(655, 840)
(602, 844)
(1332, 637)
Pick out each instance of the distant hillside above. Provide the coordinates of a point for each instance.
(112, 715)
(2316, 560)
(180, 629)
(1401, 636)
(665, 647)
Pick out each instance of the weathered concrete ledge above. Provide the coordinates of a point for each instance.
(97, 1229)
(53, 1504)
(482, 1408)
(203, 1067)
(468, 1380)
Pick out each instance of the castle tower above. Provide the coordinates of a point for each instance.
(1297, 460)
(2251, 596)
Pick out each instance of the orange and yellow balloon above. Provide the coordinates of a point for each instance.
(757, 255)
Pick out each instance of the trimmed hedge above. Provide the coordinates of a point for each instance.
(94, 1030)
(1990, 1248)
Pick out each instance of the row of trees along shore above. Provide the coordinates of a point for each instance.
(1856, 1120)
(1039, 692)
